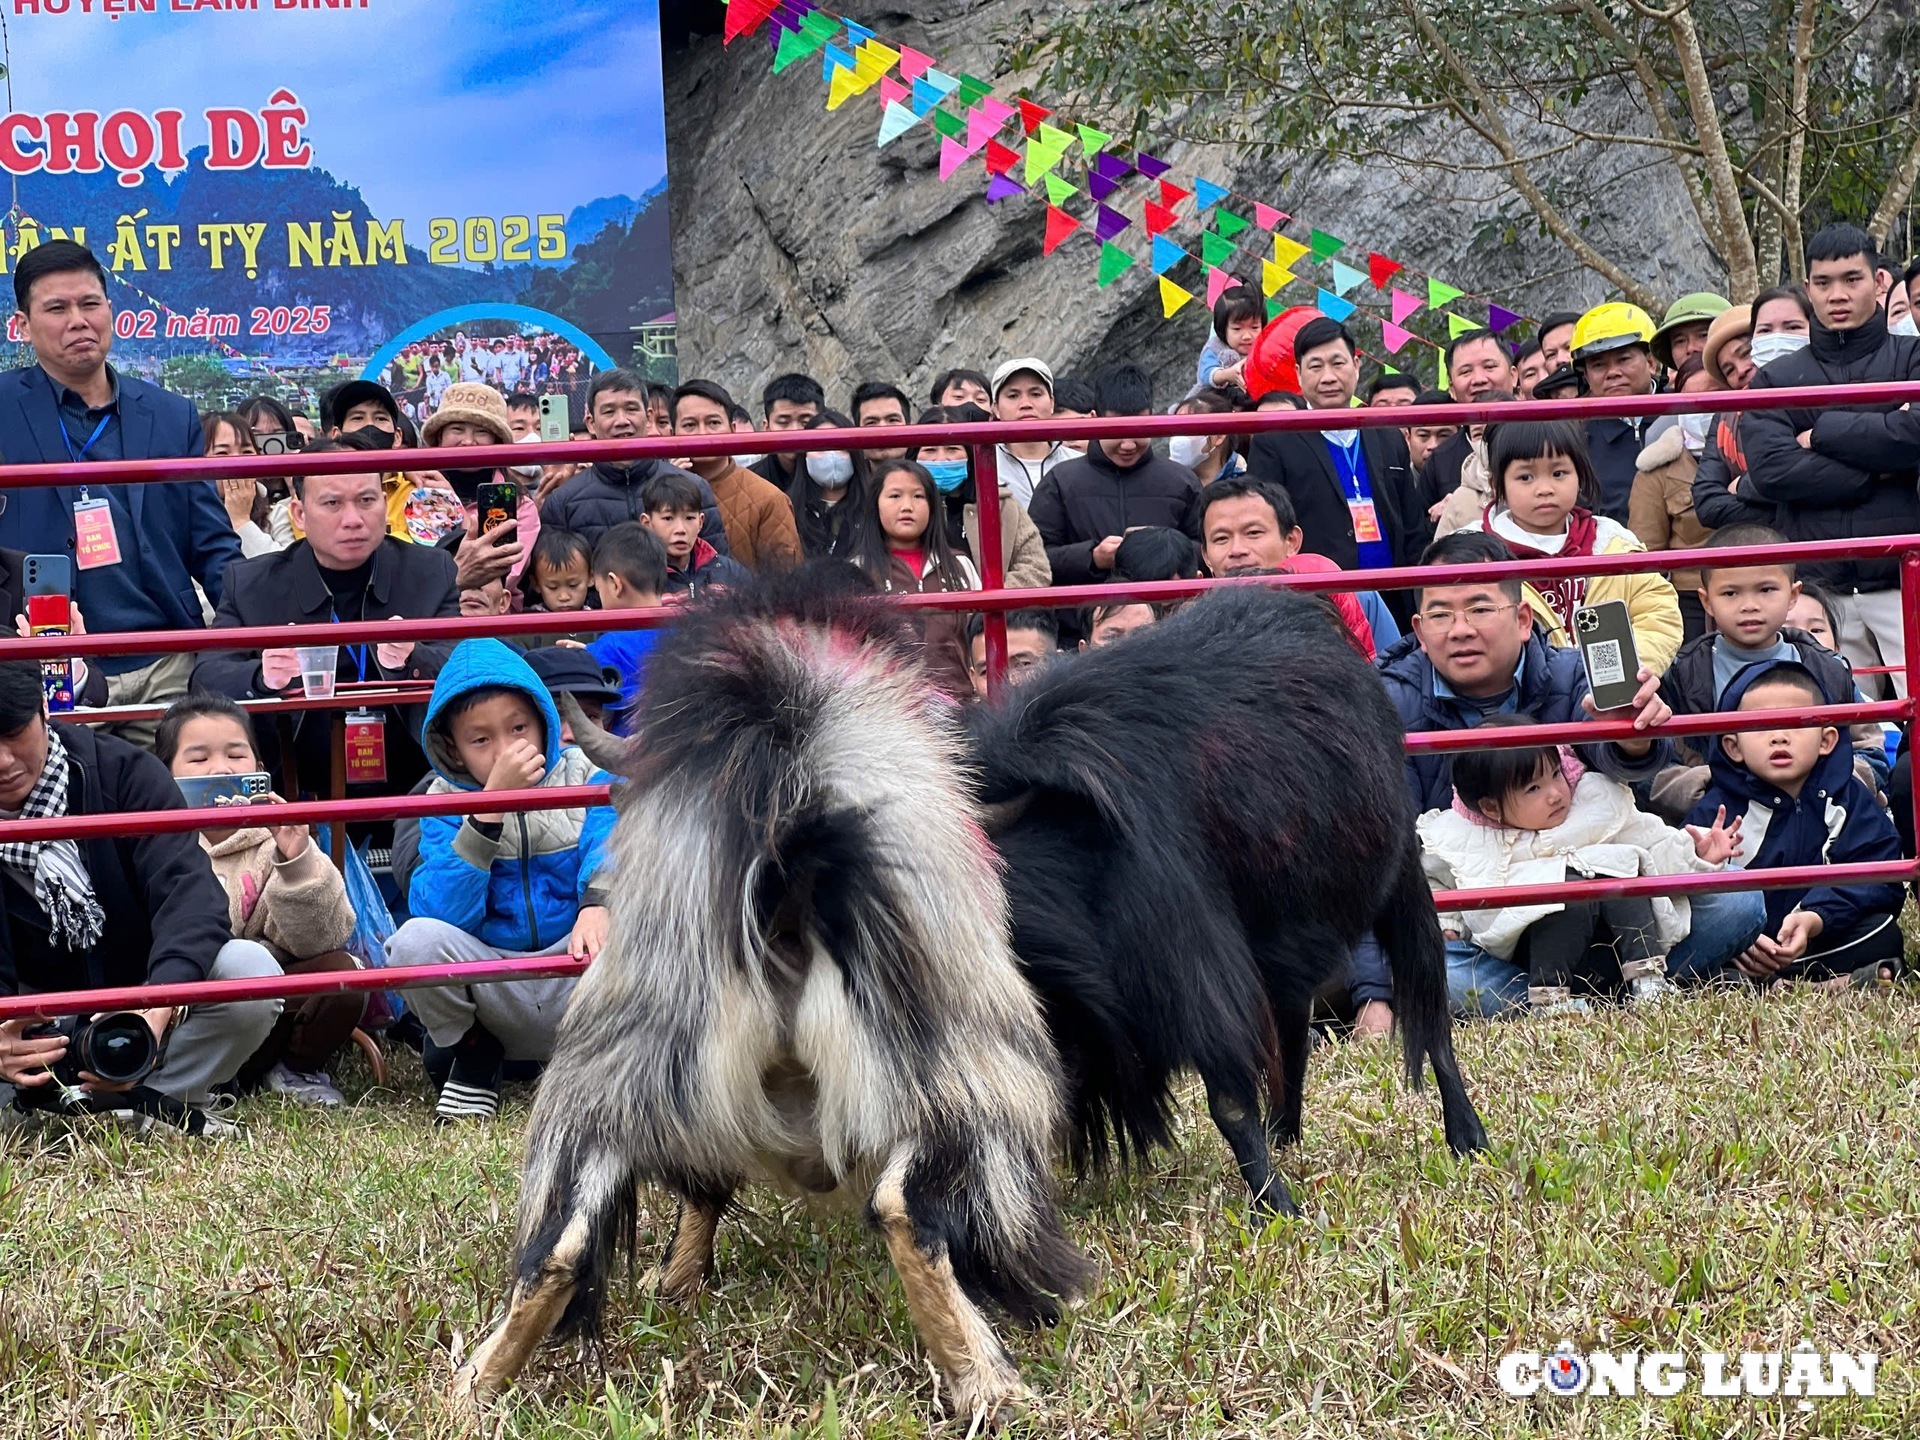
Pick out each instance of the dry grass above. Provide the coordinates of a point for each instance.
(1730, 1173)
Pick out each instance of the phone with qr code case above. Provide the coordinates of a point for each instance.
(201, 791)
(1604, 634)
(553, 417)
(498, 504)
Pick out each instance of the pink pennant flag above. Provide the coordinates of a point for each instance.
(980, 128)
(998, 109)
(913, 64)
(1268, 218)
(892, 92)
(1217, 280)
(952, 156)
(1394, 335)
(1404, 305)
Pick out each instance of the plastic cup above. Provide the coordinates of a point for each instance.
(318, 665)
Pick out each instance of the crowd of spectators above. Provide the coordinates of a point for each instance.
(402, 545)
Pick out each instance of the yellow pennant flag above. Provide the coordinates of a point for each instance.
(1172, 297)
(845, 84)
(1273, 276)
(874, 51)
(1286, 251)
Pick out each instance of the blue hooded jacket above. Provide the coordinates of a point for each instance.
(518, 885)
(1835, 821)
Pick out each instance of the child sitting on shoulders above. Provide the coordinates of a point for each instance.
(1536, 816)
(1802, 804)
(1239, 315)
(1544, 493)
(1751, 609)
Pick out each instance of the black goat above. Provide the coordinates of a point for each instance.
(1198, 823)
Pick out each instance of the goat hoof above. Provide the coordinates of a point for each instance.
(466, 1401)
(994, 1399)
(680, 1290)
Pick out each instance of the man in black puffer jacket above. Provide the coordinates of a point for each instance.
(1838, 473)
(605, 495)
(1084, 507)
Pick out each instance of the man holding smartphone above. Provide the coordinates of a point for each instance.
(137, 549)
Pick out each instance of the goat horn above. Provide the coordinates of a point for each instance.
(1001, 814)
(605, 749)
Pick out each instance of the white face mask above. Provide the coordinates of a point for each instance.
(1905, 325)
(1188, 450)
(1693, 430)
(830, 469)
(1769, 348)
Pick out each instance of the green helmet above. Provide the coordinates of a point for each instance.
(1694, 309)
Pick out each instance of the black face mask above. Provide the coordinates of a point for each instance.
(373, 435)
(466, 483)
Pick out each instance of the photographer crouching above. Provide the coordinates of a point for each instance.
(110, 911)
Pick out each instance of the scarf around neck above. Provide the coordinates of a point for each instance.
(57, 876)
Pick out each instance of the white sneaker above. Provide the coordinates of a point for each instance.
(1555, 1000)
(304, 1087)
(1651, 989)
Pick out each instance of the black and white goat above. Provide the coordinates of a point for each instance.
(808, 981)
(1198, 823)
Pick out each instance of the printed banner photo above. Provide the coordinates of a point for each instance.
(289, 193)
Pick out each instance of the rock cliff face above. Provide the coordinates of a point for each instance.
(799, 245)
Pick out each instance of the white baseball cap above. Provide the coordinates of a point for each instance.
(1013, 367)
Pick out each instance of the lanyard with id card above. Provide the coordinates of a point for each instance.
(95, 542)
(1360, 508)
(366, 747)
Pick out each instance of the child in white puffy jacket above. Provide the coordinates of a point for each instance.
(1536, 816)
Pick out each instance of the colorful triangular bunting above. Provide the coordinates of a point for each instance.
(1404, 305)
(1439, 293)
(913, 64)
(952, 156)
(895, 121)
(1215, 249)
(1458, 325)
(1268, 218)
(1500, 319)
(1114, 263)
(1332, 306)
(951, 126)
(1151, 166)
(1287, 252)
(1059, 226)
(1345, 278)
(859, 34)
(1380, 269)
(1091, 140)
(1001, 158)
(1394, 336)
(999, 188)
(1206, 193)
(843, 87)
(1173, 298)
(1325, 246)
(1166, 254)
(1171, 194)
(1031, 115)
(1101, 186)
(1217, 281)
(794, 45)
(1155, 218)
(973, 90)
(1228, 223)
(941, 81)
(892, 92)
(1273, 276)
(1058, 191)
(1108, 223)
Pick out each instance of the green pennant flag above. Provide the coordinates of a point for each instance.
(1325, 246)
(1228, 223)
(1092, 140)
(973, 90)
(820, 25)
(1215, 249)
(1458, 325)
(949, 124)
(1113, 263)
(1440, 293)
(1274, 306)
(794, 45)
(1044, 150)
(1059, 191)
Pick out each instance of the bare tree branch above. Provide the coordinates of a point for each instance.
(1899, 186)
(1743, 270)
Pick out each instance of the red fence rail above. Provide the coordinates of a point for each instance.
(993, 599)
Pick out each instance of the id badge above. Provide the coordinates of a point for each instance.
(366, 748)
(1366, 521)
(94, 541)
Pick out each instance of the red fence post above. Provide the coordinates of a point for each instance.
(993, 569)
(1910, 628)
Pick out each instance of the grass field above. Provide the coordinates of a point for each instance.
(1728, 1173)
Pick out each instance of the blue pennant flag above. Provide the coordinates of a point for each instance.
(1166, 254)
(1333, 307)
(1206, 193)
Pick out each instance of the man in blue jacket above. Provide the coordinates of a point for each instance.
(1474, 652)
(494, 885)
(136, 549)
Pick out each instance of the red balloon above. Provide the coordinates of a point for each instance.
(1270, 364)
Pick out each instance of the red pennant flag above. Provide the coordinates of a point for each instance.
(1155, 218)
(1171, 194)
(1380, 270)
(744, 17)
(1000, 158)
(1031, 115)
(1059, 226)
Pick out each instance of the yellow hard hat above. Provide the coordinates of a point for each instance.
(1610, 326)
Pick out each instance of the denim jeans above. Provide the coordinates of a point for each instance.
(1724, 924)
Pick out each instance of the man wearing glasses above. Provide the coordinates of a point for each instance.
(1474, 652)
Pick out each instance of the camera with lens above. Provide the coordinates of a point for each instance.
(117, 1047)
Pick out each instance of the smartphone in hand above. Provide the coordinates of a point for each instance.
(1604, 634)
(499, 504)
(202, 791)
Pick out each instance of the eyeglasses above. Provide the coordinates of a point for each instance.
(1478, 616)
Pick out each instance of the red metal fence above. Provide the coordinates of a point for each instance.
(993, 600)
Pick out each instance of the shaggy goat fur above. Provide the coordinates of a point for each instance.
(807, 981)
(1198, 823)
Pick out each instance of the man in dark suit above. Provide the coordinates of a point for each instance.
(348, 568)
(137, 549)
(1352, 490)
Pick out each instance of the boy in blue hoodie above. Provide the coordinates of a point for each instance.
(1798, 801)
(495, 884)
